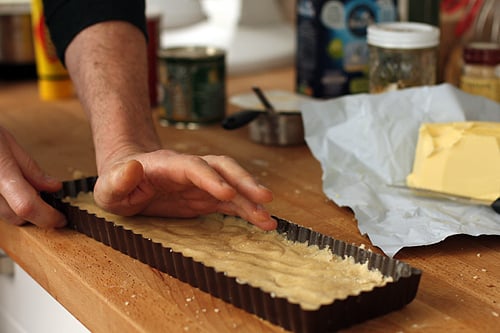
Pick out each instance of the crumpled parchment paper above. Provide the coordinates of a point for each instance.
(367, 142)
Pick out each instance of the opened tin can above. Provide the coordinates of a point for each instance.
(192, 81)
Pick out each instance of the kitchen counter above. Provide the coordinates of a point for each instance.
(111, 292)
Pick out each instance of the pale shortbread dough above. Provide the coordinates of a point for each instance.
(267, 260)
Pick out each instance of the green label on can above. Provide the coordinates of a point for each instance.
(193, 88)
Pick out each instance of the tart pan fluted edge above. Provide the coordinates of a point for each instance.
(340, 314)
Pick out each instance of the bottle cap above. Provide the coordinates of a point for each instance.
(51, 90)
(403, 35)
(482, 53)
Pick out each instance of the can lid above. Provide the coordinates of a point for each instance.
(195, 53)
(403, 35)
(15, 7)
(485, 53)
(51, 90)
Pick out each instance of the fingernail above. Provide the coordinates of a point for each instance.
(262, 211)
(264, 187)
(272, 225)
(260, 208)
(61, 223)
(50, 179)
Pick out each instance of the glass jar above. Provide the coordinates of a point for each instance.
(402, 55)
(481, 70)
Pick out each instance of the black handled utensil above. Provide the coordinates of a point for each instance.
(240, 119)
(263, 99)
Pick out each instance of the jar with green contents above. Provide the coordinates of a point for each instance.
(402, 55)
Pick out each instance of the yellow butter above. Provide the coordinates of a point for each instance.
(461, 158)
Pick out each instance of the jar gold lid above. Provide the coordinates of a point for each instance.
(403, 35)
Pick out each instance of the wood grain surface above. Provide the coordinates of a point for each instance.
(111, 292)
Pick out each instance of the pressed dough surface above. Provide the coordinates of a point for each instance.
(303, 274)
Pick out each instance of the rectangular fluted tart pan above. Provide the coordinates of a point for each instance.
(340, 314)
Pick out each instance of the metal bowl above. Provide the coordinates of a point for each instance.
(282, 129)
(279, 128)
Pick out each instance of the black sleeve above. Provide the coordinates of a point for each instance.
(66, 18)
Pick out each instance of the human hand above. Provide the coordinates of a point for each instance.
(166, 183)
(136, 176)
(20, 181)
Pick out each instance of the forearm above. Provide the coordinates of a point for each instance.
(108, 65)
(103, 45)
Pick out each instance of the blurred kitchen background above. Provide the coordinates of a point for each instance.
(261, 34)
(256, 34)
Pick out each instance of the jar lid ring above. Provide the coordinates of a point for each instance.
(403, 35)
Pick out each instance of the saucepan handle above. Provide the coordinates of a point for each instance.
(239, 119)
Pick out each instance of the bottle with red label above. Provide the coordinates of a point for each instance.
(481, 70)
(464, 22)
(53, 79)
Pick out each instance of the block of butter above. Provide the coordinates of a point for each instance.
(461, 158)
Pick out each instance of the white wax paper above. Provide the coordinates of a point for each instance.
(366, 142)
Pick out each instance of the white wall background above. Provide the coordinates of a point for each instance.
(257, 34)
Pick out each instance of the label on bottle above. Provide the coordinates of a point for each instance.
(483, 86)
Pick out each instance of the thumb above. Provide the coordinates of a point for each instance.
(30, 169)
(114, 188)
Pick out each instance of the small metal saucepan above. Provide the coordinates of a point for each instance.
(282, 128)
(269, 127)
